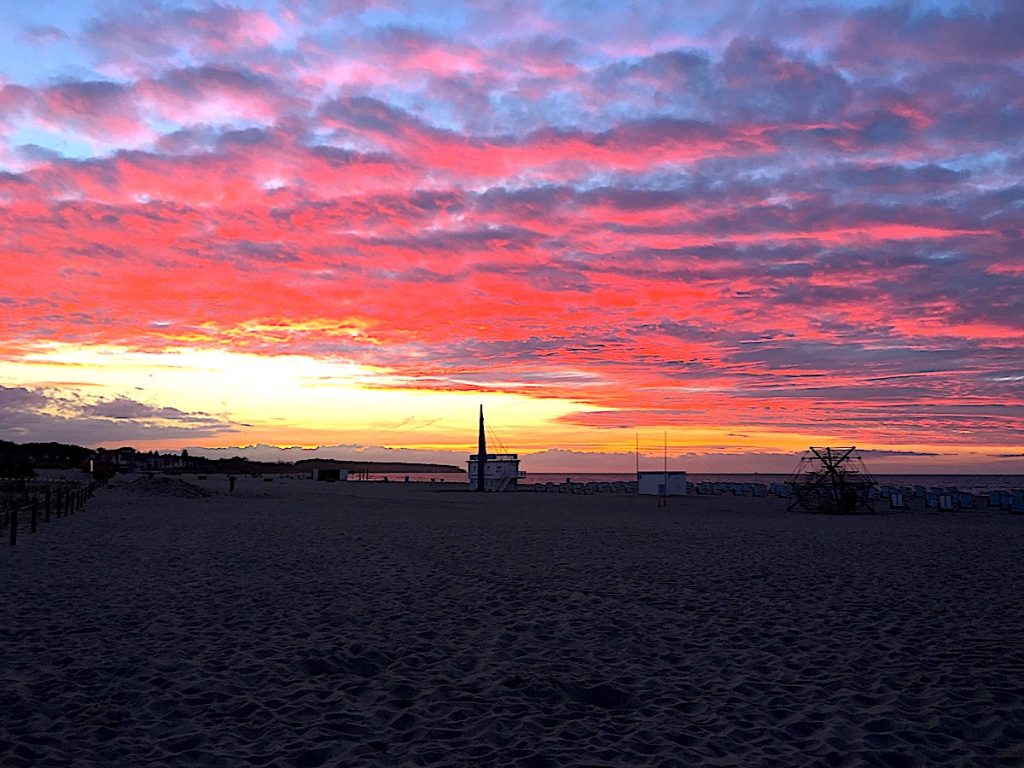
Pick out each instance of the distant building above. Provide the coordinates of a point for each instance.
(325, 469)
(654, 483)
(130, 460)
(330, 474)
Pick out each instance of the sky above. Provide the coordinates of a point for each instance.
(735, 228)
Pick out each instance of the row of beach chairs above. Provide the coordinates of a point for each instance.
(1008, 501)
(945, 499)
(588, 488)
(950, 499)
(782, 490)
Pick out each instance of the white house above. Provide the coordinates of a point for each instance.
(654, 483)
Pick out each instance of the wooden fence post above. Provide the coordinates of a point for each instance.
(14, 526)
(34, 512)
(46, 513)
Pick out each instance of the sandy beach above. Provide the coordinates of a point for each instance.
(295, 623)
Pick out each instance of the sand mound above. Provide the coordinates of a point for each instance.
(162, 485)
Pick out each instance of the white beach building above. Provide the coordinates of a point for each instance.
(501, 471)
(492, 471)
(660, 483)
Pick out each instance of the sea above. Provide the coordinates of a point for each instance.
(966, 483)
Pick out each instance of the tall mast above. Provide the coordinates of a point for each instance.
(481, 454)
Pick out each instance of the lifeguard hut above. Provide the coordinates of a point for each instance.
(492, 471)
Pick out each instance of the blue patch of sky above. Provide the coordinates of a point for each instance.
(65, 143)
(512, 114)
(72, 144)
(30, 60)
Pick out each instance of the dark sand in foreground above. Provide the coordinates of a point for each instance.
(303, 624)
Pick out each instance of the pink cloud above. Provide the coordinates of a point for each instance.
(394, 56)
(135, 42)
(99, 109)
(213, 94)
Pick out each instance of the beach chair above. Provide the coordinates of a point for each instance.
(896, 501)
(1017, 505)
(965, 501)
(931, 500)
(946, 503)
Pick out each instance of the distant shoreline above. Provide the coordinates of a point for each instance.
(377, 466)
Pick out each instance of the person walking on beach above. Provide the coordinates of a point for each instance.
(231, 484)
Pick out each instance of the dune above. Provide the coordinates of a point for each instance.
(310, 624)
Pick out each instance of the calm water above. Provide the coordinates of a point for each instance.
(966, 483)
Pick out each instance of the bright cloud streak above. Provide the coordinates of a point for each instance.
(300, 222)
(293, 399)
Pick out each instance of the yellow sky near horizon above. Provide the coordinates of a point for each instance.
(297, 400)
